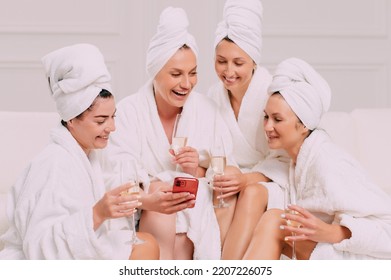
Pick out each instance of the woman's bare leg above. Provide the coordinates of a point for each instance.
(267, 242)
(149, 250)
(250, 206)
(225, 215)
(184, 247)
(163, 228)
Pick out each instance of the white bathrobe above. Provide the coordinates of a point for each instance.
(251, 150)
(50, 207)
(140, 135)
(332, 185)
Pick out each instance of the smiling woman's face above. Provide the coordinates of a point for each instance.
(282, 127)
(233, 66)
(92, 129)
(176, 79)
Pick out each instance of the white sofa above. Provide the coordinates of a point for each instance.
(365, 133)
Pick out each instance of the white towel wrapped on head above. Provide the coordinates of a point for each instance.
(306, 92)
(242, 24)
(171, 35)
(76, 75)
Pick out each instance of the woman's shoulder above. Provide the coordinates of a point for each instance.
(215, 89)
(330, 157)
(127, 101)
(52, 156)
(42, 168)
(203, 100)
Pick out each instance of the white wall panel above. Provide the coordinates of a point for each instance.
(348, 41)
(59, 17)
(24, 87)
(332, 18)
(356, 84)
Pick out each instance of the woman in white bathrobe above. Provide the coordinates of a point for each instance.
(145, 122)
(59, 206)
(342, 213)
(241, 95)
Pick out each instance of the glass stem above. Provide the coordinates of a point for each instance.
(221, 199)
(294, 248)
(134, 235)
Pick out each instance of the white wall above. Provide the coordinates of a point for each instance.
(347, 41)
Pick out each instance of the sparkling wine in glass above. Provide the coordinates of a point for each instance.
(178, 143)
(290, 198)
(129, 174)
(218, 163)
(178, 140)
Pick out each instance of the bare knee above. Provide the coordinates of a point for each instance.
(149, 250)
(254, 191)
(184, 247)
(232, 170)
(254, 197)
(270, 222)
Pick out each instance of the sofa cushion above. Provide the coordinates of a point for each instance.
(374, 143)
(3, 216)
(3, 213)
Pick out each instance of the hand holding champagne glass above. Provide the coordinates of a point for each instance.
(290, 198)
(178, 140)
(128, 174)
(218, 163)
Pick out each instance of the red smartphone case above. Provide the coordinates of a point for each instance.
(185, 184)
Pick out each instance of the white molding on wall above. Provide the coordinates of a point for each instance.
(25, 83)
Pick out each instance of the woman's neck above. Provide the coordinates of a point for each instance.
(167, 116)
(294, 151)
(236, 101)
(236, 97)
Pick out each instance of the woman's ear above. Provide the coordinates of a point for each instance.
(70, 124)
(304, 128)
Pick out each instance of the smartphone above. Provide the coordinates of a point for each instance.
(185, 184)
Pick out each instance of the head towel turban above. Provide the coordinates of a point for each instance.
(76, 75)
(242, 23)
(171, 35)
(306, 92)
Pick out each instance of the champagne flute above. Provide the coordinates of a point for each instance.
(128, 174)
(178, 140)
(218, 163)
(290, 198)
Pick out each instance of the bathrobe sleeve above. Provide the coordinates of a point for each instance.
(359, 205)
(366, 211)
(275, 166)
